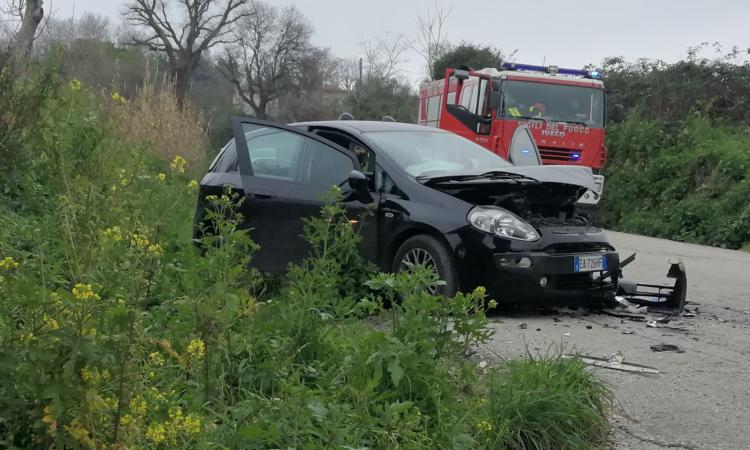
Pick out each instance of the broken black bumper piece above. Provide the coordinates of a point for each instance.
(655, 296)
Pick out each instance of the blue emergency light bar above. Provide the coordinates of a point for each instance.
(593, 74)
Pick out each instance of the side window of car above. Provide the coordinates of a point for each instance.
(328, 166)
(275, 153)
(387, 186)
(227, 159)
(285, 155)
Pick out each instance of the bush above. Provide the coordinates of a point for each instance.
(116, 331)
(687, 182)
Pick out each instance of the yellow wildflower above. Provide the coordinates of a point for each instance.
(50, 323)
(81, 434)
(117, 98)
(27, 336)
(123, 178)
(191, 424)
(155, 249)
(74, 85)
(94, 376)
(178, 164)
(156, 433)
(8, 263)
(138, 406)
(138, 240)
(84, 292)
(480, 291)
(155, 393)
(156, 359)
(193, 185)
(492, 304)
(162, 176)
(49, 419)
(111, 402)
(175, 413)
(114, 232)
(196, 348)
(484, 426)
(126, 420)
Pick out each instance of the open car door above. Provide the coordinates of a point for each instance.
(286, 173)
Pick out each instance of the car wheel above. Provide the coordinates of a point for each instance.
(431, 253)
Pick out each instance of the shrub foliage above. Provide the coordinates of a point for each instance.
(117, 332)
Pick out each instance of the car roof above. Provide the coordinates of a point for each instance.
(365, 126)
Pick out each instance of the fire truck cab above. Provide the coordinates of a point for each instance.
(563, 109)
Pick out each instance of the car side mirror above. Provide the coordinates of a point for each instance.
(523, 150)
(360, 186)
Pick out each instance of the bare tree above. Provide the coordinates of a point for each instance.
(432, 38)
(29, 14)
(265, 61)
(184, 37)
(383, 55)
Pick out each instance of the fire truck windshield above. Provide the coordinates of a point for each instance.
(553, 102)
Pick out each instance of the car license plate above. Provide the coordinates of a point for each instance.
(589, 263)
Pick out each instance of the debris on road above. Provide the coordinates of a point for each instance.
(523, 326)
(660, 297)
(667, 348)
(652, 324)
(615, 362)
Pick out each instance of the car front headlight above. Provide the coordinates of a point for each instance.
(501, 222)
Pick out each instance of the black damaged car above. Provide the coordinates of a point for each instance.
(437, 199)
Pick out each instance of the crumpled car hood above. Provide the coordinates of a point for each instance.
(570, 175)
(529, 191)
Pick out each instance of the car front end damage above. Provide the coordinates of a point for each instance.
(527, 243)
(546, 271)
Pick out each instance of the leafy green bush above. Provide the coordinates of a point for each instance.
(689, 182)
(117, 332)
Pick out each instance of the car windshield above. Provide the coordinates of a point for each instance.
(553, 102)
(435, 153)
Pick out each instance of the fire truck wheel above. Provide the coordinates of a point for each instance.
(427, 251)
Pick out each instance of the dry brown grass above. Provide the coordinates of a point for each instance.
(153, 117)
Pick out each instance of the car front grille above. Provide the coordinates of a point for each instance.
(578, 247)
(572, 282)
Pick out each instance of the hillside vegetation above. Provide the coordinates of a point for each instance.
(117, 332)
(679, 164)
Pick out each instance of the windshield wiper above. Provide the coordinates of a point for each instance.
(541, 119)
(577, 122)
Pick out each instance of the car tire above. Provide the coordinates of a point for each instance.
(429, 251)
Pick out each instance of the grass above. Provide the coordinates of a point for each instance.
(547, 403)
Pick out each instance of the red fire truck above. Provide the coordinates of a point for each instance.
(563, 109)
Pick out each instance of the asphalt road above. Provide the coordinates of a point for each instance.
(701, 398)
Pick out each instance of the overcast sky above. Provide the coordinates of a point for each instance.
(568, 33)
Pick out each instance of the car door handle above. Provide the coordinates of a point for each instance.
(260, 194)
